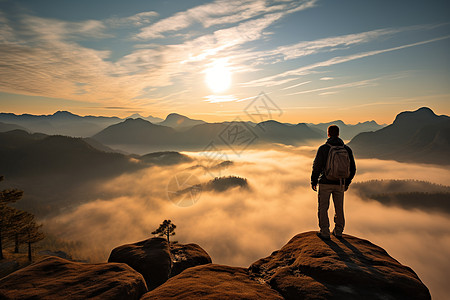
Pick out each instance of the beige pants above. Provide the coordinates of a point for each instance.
(325, 190)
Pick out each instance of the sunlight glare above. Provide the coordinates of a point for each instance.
(218, 76)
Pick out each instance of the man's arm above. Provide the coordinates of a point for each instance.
(352, 167)
(318, 165)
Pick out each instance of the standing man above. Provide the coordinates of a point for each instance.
(333, 168)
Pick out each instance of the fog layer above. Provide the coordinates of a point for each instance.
(239, 226)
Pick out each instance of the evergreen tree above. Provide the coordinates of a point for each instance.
(32, 234)
(18, 223)
(166, 228)
(6, 197)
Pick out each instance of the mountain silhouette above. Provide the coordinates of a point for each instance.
(414, 136)
(276, 132)
(61, 122)
(138, 132)
(347, 131)
(135, 131)
(149, 118)
(178, 121)
(4, 127)
(58, 171)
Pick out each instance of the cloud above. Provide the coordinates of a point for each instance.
(220, 98)
(220, 12)
(345, 85)
(296, 85)
(239, 227)
(306, 70)
(137, 20)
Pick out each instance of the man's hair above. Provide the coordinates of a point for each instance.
(333, 130)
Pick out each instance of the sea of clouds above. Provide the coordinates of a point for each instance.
(239, 226)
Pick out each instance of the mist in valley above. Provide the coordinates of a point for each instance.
(240, 225)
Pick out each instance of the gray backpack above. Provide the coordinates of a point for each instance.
(338, 164)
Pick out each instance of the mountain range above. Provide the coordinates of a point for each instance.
(418, 136)
(347, 131)
(57, 171)
(414, 136)
(67, 123)
(132, 133)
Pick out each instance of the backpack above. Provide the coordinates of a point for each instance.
(338, 164)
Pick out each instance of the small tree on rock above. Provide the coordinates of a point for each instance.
(166, 228)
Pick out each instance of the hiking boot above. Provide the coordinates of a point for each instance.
(337, 235)
(324, 237)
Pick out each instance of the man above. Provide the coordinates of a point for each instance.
(329, 187)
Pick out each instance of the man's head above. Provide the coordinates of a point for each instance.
(333, 131)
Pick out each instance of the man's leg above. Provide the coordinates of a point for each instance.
(338, 200)
(324, 202)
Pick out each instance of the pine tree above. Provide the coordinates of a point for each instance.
(6, 197)
(18, 223)
(32, 234)
(166, 228)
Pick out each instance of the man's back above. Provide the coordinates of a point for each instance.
(320, 161)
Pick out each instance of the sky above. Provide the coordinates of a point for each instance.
(315, 60)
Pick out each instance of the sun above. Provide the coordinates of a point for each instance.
(218, 76)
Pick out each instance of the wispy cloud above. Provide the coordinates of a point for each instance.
(220, 98)
(221, 12)
(138, 20)
(281, 77)
(296, 85)
(345, 85)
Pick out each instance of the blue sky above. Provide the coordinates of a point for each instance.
(317, 60)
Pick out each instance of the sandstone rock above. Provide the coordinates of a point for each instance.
(213, 281)
(187, 256)
(57, 278)
(308, 267)
(61, 254)
(8, 266)
(151, 258)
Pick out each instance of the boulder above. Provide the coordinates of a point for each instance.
(187, 256)
(151, 258)
(57, 278)
(213, 281)
(308, 267)
(156, 260)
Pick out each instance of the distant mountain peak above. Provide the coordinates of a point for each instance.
(134, 116)
(64, 113)
(271, 122)
(176, 116)
(423, 113)
(136, 120)
(177, 120)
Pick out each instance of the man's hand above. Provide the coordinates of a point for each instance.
(314, 187)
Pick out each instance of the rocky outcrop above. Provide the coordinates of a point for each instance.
(7, 266)
(213, 281)
(60, 254)
(151, 258)
(308, 267)
(57, 278)
(157, 261)
(187, 256)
